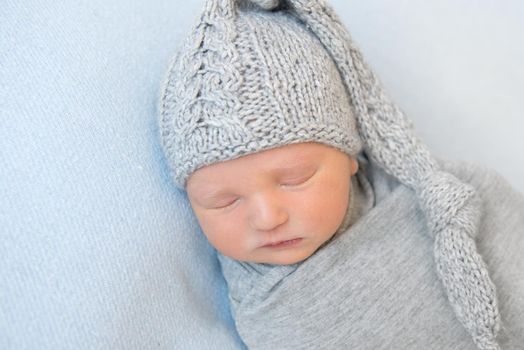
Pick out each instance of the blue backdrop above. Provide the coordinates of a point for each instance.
(97, 249)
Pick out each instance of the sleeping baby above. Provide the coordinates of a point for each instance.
(334, 225)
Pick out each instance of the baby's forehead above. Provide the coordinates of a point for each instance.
(287, 160)
(245, 166)
(279, 157)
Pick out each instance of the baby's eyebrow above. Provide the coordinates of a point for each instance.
(207, 192)
(294, 166)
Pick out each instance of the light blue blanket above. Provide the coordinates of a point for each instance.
(97, 250)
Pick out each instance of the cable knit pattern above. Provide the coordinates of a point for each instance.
(253, 77)
(242, 84)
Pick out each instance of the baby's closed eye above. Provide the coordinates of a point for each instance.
(221, 202)
(296, 177)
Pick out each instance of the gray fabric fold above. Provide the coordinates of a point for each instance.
(374, 284)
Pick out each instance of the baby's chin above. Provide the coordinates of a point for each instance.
(281, 257)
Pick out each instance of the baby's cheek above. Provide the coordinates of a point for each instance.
(225, 234)
(331, 206)
(213, 228)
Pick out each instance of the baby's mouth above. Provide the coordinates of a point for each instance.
(283, 244)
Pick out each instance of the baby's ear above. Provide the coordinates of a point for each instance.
(353, 165)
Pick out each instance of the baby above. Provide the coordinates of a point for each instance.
(277, 206)
(334, 225)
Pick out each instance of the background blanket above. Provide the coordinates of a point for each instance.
(97, 251)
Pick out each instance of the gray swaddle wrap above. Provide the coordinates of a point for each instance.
(374, 285)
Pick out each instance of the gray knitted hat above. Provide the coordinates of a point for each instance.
(246, 83)
(257, 75)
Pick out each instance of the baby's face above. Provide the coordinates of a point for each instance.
(277, 206)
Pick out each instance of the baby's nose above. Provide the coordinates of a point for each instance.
(267, 212)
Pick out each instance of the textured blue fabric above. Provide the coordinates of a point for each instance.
(97, 249)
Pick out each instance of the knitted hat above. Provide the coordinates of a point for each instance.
(253, 77)
(247, 83)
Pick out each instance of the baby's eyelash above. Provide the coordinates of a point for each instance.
(227, 205)
(297, 181)
(293, 182)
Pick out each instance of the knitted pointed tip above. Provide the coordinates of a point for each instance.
(468, 286)
(453, 210)
(266, 4)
